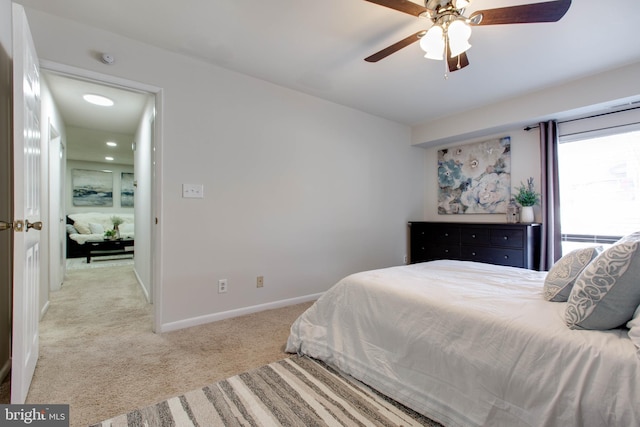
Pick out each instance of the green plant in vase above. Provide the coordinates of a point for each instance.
(116, 220)
(110, 234)
(527, 197)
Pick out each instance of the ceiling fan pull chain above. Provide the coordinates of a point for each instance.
(446, 56)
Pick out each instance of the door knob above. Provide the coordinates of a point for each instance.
(35, 225)
(17, 225)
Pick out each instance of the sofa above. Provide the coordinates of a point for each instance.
(91, 226)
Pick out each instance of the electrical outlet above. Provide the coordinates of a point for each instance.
(260, 282)
(222, 286)
(406, 259)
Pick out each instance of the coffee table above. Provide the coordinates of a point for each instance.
(109, 247)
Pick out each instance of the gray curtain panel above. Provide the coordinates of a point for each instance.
(551, 245)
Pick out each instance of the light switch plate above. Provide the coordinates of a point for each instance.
(192, 191)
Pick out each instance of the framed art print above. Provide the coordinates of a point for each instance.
(92, 187)
(475, 178)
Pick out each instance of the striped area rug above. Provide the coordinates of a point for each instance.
(296, 391)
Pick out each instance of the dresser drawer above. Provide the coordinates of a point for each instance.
(444, 252)
(475, 236)
(507, 237)
(421, 253)
(500, 256)
(448, 235)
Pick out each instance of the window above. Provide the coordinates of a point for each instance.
(599, 179)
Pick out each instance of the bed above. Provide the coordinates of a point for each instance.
(473, 344)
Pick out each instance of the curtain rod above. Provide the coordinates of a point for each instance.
(528, 128)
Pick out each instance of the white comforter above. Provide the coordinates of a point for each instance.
(472, 344)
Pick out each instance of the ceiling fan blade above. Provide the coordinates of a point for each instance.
(458, 62)
(550, 11)
(395, 47)
(405, 6)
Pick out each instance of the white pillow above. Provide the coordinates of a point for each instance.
(126, 228)
(562, 276)
(607, 292)
(82, 227)
(634, 329)
(96, 228)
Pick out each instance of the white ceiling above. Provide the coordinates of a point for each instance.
(318, 47)
(89, 127)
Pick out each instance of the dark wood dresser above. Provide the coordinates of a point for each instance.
(516, 245)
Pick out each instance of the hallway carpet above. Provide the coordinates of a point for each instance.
(99, 355)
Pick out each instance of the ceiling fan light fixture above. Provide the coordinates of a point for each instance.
(461, 4)
(433, 43)
(458, 33)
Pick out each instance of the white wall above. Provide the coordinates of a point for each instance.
(297, 189)
(570, 99)
(116, 170)
(581, 97)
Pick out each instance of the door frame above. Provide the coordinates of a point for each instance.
(156, 178)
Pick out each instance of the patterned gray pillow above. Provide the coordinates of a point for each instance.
(562, 276)
(607, 292)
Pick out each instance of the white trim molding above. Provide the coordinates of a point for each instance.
(209, 318)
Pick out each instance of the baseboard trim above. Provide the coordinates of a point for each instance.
(45, 308)
(144, 290)
(201, 320)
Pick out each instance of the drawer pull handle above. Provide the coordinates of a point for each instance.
(446, 234)
(446, 251)
(506, 238)
(473, 236)
(473, 253)
(506, 257)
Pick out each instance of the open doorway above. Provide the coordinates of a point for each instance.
(106, 174)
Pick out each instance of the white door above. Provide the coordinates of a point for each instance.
(26, 175)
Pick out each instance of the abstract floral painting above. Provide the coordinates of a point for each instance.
(475, 178)
(92, 188)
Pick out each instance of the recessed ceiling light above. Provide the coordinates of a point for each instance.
(98, 100)
(112, 144)
(109, 158)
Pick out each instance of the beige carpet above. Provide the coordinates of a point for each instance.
(98, 353)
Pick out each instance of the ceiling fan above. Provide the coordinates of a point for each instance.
(449, 35)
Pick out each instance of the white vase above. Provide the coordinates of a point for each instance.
(526, 214)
